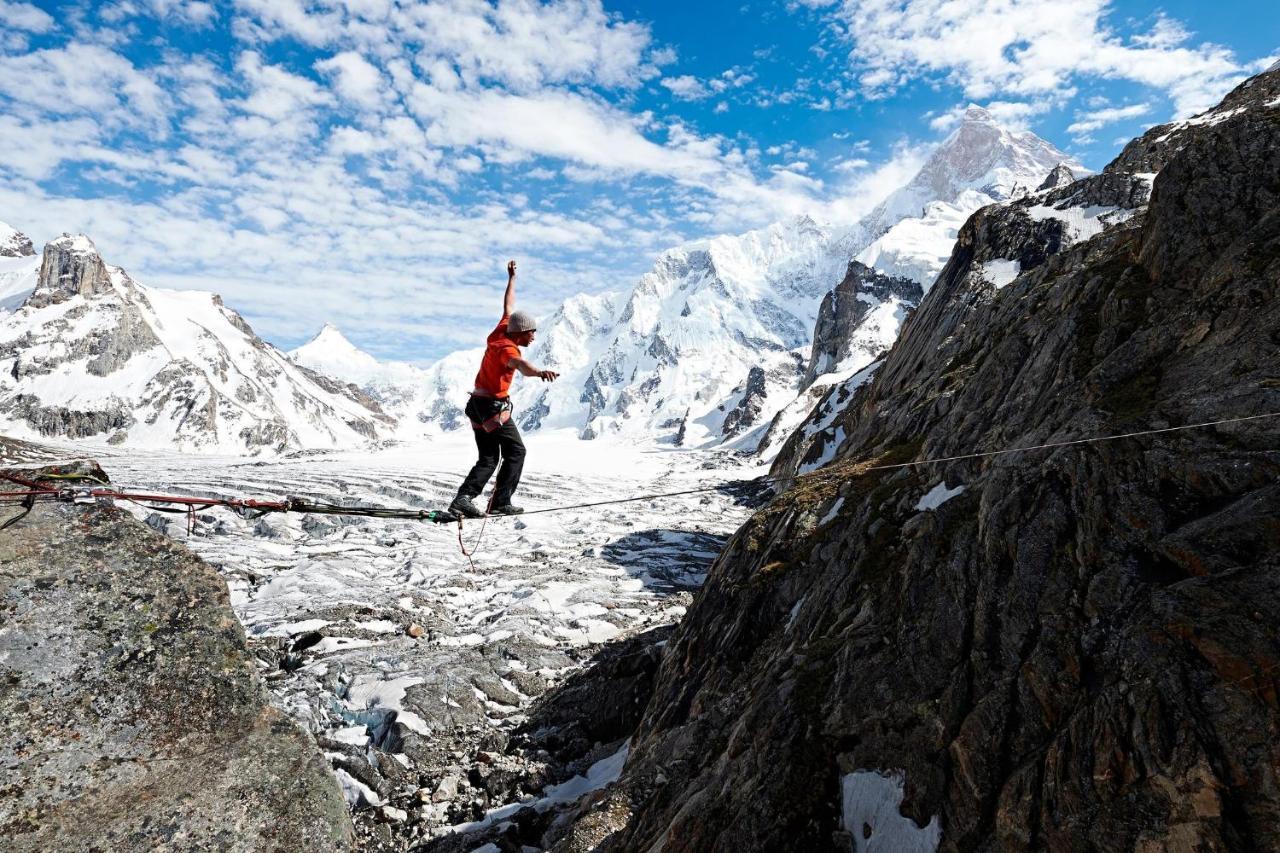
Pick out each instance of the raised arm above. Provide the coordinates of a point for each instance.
(509, 299)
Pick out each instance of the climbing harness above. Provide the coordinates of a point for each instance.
(251, 508)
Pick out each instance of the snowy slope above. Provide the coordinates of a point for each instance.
(399, 388)
(330, 353)
(674, 359)
(93, 354)
(19, 265)
(13, 243)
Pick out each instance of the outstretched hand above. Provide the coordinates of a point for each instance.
(548, 375)
(511, 269)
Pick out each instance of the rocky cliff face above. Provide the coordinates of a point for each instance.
(841, 337)
(91, 353)
(132, 716)
(1059, 649)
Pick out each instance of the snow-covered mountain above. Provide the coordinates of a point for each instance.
(715, 339)
(980, 163)
(91, 353)
(698, 348)
(706, 348)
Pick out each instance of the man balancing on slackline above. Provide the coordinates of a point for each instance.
(489, 409)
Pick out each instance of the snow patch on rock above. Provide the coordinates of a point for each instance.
(937, 496)
(869, 811)
(1082, 223)
(1000, 273)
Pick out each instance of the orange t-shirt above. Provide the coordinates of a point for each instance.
(494, 378)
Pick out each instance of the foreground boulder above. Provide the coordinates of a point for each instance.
(131, 715)
(1065, 649)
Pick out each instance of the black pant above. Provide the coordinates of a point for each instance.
(504, 441)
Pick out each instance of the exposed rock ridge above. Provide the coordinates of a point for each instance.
(843, 311)
(132, 716)
(71, 267)
(1054, 650)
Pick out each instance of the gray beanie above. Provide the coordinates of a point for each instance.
(520, 321)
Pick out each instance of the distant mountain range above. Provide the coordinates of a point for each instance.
(716, 338)
(706, 349)
(87, 352)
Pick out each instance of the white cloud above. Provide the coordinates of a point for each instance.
(1087, 122)
(24, 16)
(355, 79)
(276, 93)
(34, 149)
(274, 18)
(686, 87)
(83, 79)
(517, 43)
(1028, 47)
(196, 13)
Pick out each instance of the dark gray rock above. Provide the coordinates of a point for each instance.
(747, 412)
(131, 714)
(842, 312)
(1059, 177)
(1078, 650)
(71, 266)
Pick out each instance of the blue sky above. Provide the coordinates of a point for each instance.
(374, 163)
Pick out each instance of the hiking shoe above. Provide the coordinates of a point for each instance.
(506, 509)
(464, 507)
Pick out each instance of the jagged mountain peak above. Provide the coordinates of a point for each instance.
(980, 163)
(329, 335)
(1059, 177)
(14, 244)
(975, 113)
(72, 243)
(980, 156)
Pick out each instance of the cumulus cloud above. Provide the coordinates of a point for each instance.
(1087, 122)
(1028, 48)
(686, 87)
(521, 44)
(354, 78)
(24, 16)
(82, 78)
